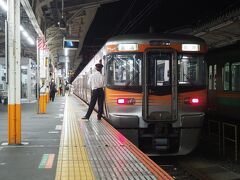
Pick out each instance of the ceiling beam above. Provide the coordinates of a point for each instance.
(71, 8)
(28, 9)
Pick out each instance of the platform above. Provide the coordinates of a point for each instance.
(92, 149)
(60, 145)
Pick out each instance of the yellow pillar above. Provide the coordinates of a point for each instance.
(13, 58)
(45, 102)
(42, 103)
(47, 96)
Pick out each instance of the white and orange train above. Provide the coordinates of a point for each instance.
(155, 89)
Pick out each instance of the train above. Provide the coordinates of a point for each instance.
(156, 89)
(224, 83)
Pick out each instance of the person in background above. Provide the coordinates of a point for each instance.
(53, 90)
(67, 89)
(60, 89)
(96, 82)
(70, 89)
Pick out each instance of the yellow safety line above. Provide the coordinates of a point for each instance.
(73, 162)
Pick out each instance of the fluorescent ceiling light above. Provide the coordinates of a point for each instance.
(21, 28)
(3, 4)
(66, 52)
(25, 33)
(30, 40)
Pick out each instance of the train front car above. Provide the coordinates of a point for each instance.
(156, 90)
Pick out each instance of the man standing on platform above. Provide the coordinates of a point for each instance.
(96, 82)
(53, 90)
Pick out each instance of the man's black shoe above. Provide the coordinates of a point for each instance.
(84, 117)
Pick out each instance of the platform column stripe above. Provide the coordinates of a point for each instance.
(14, 123)
(50, 161)
(152, 166)
(14, 72)
(46, 161)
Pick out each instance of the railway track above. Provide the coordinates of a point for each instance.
(178, 169)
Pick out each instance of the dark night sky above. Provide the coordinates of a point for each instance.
(136, 16)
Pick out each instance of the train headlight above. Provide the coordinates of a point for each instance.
(129, 101)
(190, 47)
(127, 47)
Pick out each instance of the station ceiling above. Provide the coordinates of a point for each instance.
(94, 21)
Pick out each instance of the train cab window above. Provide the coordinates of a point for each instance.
(235, 76)
(191, 70)
(226, 77)
(159, 70)
(124, 70)
(162, 72)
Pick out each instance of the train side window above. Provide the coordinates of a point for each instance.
(235, 76)
(226, 77)
(191, 70)
(210, 74)
(215, 77)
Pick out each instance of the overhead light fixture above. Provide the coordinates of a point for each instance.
(66, 52)
(25, 34)
(3, 4)
(21, 28)
(30, 40)
(66, 68)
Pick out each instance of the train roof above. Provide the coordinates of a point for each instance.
(145, 38)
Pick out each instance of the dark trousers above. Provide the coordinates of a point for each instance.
(97, 95)
(52, 96)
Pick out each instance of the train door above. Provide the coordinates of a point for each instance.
(160, 85)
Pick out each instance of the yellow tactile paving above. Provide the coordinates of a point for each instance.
(73, 162)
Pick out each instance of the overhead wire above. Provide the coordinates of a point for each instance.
(147, 14)
(138, 17)
(124, 17)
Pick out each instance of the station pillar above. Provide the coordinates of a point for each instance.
(42, 100)
(13, 59)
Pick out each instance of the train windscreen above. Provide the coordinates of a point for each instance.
(191, 69)
(124, 70)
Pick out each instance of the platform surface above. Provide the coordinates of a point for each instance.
(92, 149)
(60, 145)
(37, 159)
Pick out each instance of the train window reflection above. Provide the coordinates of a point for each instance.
(124, 69)
(235, 76)
(162, 72)
(191, 70)
(159, 73)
